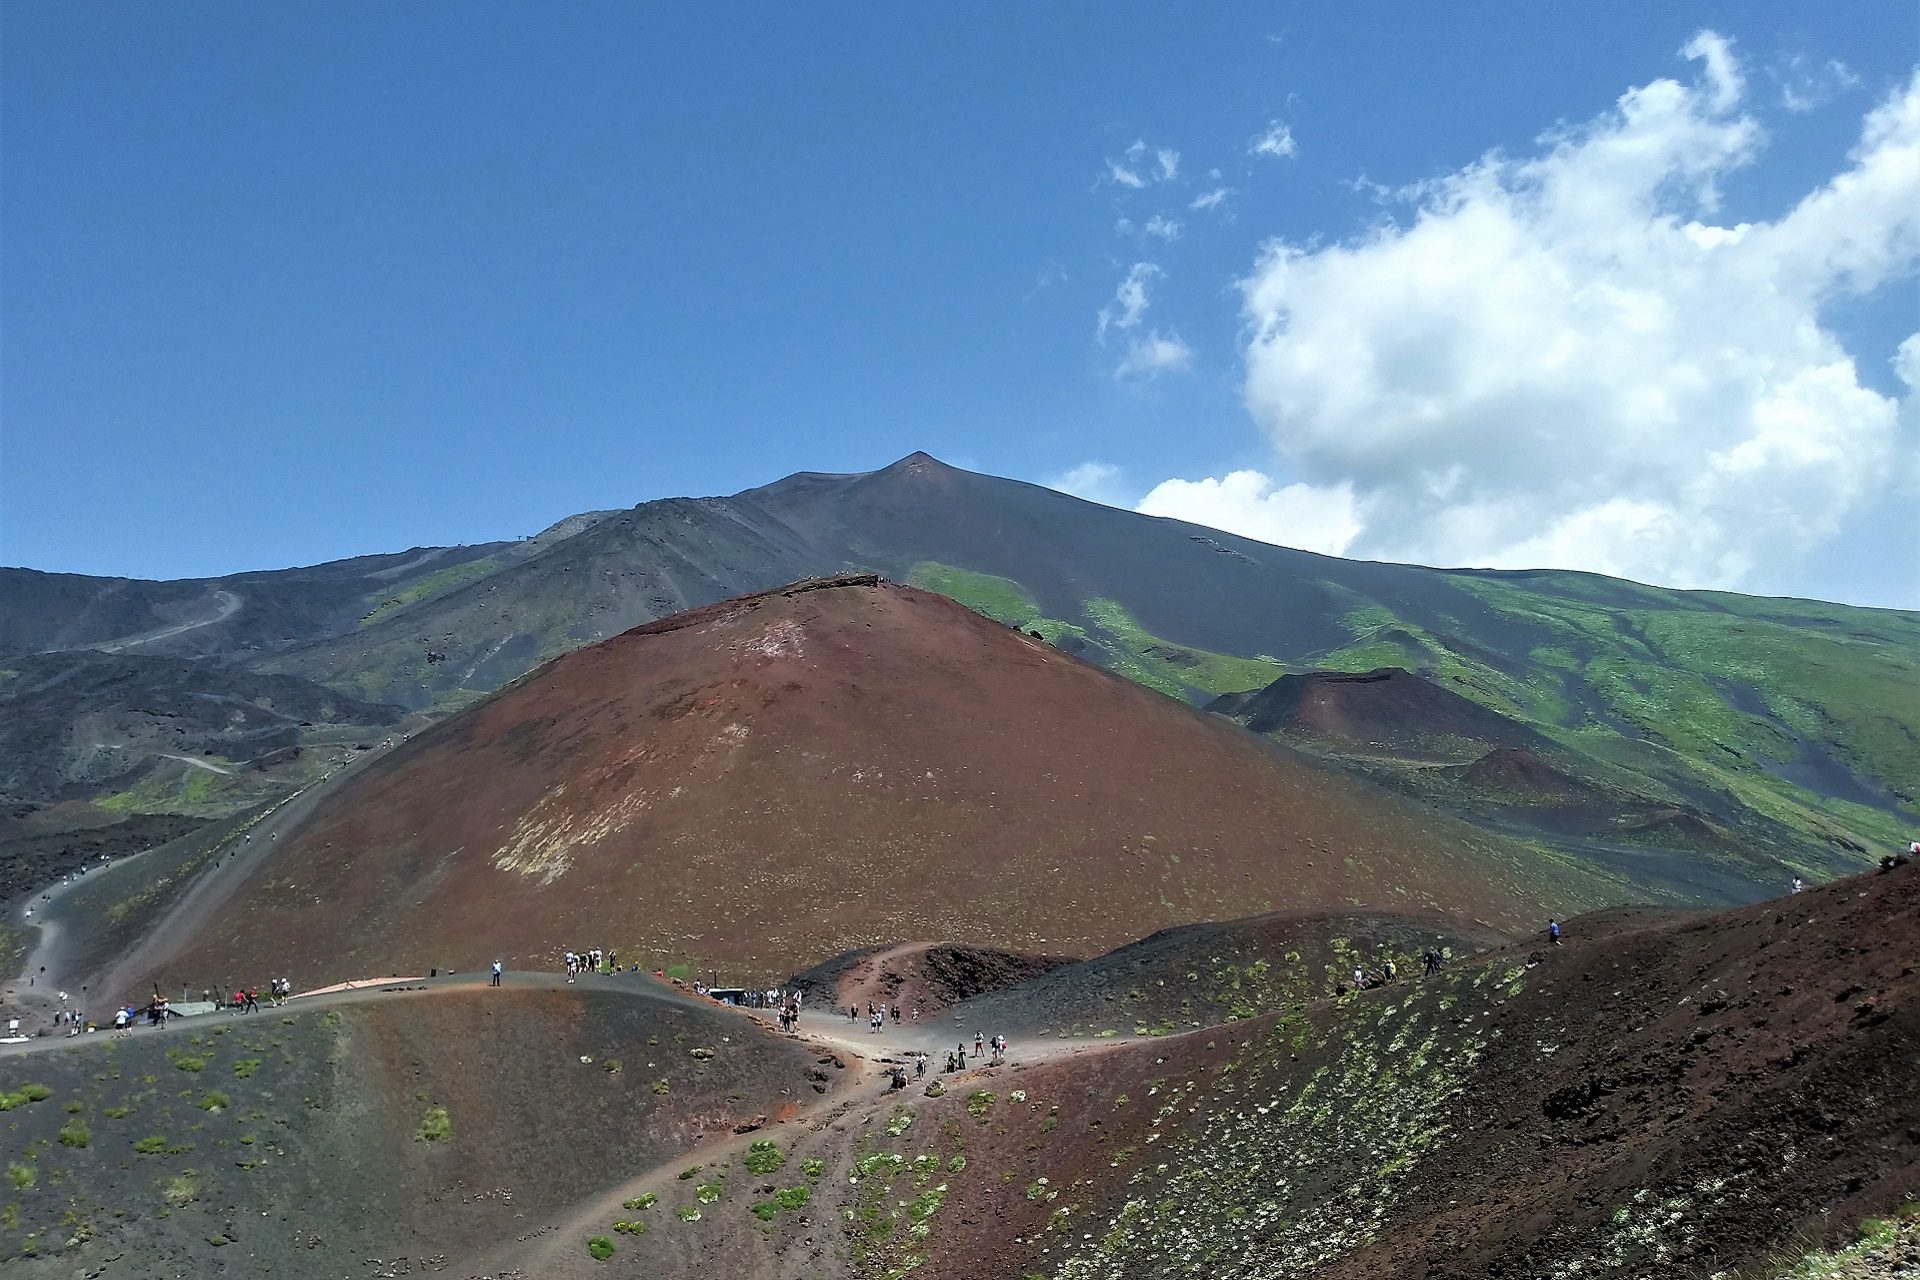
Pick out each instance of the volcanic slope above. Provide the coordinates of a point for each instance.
(760, 784)
(1385, 712)
(342, 1133)
(1414, 734)
(1656, 1097)
(1794, 724)
(1686, 1098)
(1199, 975)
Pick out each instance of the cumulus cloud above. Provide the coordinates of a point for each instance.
(1560, 358)
(1095, 481)
(1207, 201)
(1276, 142)
(1169, 163)
(1161, 227)
(1121, 174)
(1311, 517)
(1154, 354)
(1130, 301)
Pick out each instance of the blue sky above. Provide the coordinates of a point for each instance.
(285, 283)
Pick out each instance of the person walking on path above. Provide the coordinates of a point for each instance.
(496, 973)
(1553, 932)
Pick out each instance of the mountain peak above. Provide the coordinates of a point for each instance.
(916, 462)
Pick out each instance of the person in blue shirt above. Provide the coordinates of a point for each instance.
(1553, 931)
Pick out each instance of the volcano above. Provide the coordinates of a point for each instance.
(758, 784)
(1386, 711)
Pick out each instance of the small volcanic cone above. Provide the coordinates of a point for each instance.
(1388, 711)
(759, 784)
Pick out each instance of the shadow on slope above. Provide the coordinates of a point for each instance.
(1201, 975)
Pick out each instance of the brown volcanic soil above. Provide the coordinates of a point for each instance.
(1663, 1095)
(763, 783)
(928, 976)
(1656, 1097)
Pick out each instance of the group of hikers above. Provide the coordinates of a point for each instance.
(877, 1015)
(593, 961)
(957, 1060)
(1365, 979)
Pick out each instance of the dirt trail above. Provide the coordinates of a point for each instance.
(225, 605)
(860, 1090)
(208, 765)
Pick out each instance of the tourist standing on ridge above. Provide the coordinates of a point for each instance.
(496, 973)
(1553, 932)
(1798, 884)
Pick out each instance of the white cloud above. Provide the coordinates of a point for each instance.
(1724, 80)
(1276, 142)
(1248, 503)
(1560, 359)
(1161, 227)
(1094, 481)
(1806, 85)
(1130, 300)
(1154, 354)
(1143, 163)
(1209, 200)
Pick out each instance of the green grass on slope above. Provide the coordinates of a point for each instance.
(433, 584)
(1169, 664)
(1128, 648)
(1861, 692)
(1001, 599)
(1732, 694)
(177, 787)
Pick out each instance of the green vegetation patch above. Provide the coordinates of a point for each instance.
(435, 1125)
(1001, 599)
(25, 1094)
(787, 1200)
(763, 1157)
(1171, 667)
(433, 584)
(600, 1248)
